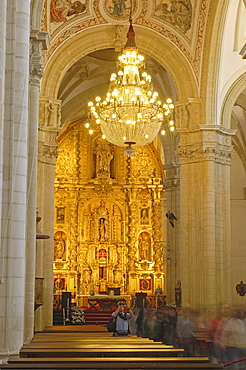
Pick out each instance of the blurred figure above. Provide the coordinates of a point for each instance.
(149, 325)
(139, 322)
(205, 319)
(158, 326)
(216, 328)
(169, 323)
(233, 339)
(185, 329)
(132, 322)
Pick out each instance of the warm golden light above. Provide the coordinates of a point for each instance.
(131, 114)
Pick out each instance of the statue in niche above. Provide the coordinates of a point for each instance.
(102, 209)
(102, 221)
(102, 229)
(144, 246)
(144, 219)
(60, 247)
(60, 215)
(51, 114)
(103, 152)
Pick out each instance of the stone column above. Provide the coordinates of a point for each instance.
(15, 168)
(38, 42)
(205, 154)
(49, 128)
(2, 82)
(172, 241)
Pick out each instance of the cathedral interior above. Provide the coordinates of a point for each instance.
(172, 216)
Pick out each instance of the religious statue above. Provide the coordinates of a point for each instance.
(60, 215)
(178, 293)
(51, 107)
(60, 249)
(102, 209)
(144, 219)
(102, 229)
(144, 243)
(103, 151)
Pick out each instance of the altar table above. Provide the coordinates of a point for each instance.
(103, 301)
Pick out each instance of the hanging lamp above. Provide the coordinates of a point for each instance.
(131, 114)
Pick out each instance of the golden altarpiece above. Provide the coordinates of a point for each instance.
(108, 216)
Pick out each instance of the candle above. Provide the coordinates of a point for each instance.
(68, 302)
(63, 313)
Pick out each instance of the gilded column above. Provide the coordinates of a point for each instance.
(132, 223)
(157, 236)
(205, 154)
(73, 238)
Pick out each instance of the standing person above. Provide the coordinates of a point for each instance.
(185, 328)
(122, 318)
(216, 328)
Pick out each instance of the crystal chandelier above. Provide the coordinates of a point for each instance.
(131, 113)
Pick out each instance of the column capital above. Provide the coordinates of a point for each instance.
(38, 42)
(207, 142)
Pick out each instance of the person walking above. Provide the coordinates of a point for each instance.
(122, 318)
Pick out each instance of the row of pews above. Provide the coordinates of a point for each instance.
(92, 347)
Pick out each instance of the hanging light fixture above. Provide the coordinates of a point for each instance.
(131, 113)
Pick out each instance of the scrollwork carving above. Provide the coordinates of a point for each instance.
(200, 154)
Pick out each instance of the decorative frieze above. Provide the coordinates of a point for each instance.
(210, 142)
(188, 114)
(46, 153)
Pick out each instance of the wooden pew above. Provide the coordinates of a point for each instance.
(76, 345)
(204, 343)
(76, 328)
(77, 350)
(181, 363)
(103, 352)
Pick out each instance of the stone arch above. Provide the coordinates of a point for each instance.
(233, 93)
(100, 37)
(36, 13)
